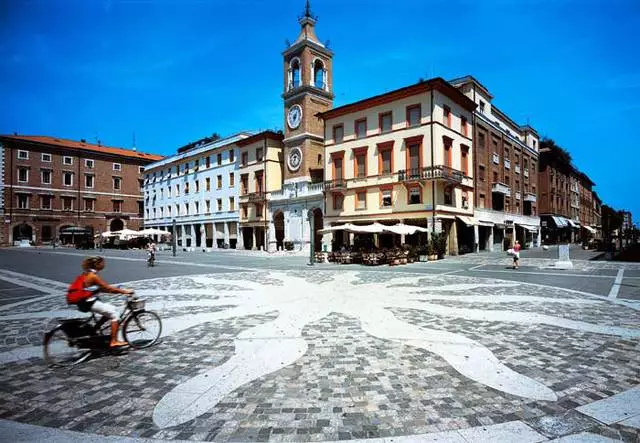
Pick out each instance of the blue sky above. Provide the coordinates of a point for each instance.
(175, 71)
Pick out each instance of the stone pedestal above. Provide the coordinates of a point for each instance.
(564, 262)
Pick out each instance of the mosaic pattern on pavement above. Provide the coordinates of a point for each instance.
(325, 355)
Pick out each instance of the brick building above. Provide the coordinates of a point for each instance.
(54, 188)
(505, 163)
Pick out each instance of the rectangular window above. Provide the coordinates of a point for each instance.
(481, 201)
(169, 211)
(244, 183)
(186, 188)
(385, 121)
(259, 154)
(66, 160)
(117, 167)
(219, 157)
(245, 158)
(232, 155)
(196, 207)
(46, 158)
(414, 158)
(67, 203)
(168, 191)
(361, 200)
(414, 196)
(360, 128)
(481, 173)
(219, 204)
(481, 106)
(338, 133)
(46, 176)
(463, 126)
(448, 155)
(45, 202)
(23, 201)
(465, 159)
(448, 196)
(88, 180)
(23, 175)
(338, 200)
(259, 187)
(219, 181)
(481, 141)
(386, 198)
(207, 206)
(117, 183)
(447, 116)
(196, 165)
(197, 185)
(207, 184)
(337, 168)
(23, 155)
(413, 115)
(232, 179)
(89, 204)
(117, 206)
(360, 163)
(258, 210)
(186, 209)
(89, 164)
(232, 204)
(385, 161)
(67, 178)
(207, 162)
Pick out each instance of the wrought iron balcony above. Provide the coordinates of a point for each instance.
(337, 184)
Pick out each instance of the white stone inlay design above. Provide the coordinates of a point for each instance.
(271, 346)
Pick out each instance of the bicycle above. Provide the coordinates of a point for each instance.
(151, 260)
(75, 340)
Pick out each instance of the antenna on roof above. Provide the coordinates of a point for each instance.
(134, 140)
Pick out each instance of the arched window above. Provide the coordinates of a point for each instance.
(319, 80)
(294, 73)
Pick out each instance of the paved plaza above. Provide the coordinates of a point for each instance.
(260, 347)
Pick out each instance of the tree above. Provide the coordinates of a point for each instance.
(551, 153)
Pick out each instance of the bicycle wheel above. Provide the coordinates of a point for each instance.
(59, 349)
(142, 329)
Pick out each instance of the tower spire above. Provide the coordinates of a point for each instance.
(308, 14)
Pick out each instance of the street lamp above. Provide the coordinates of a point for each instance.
(312, 236)
(174, 237)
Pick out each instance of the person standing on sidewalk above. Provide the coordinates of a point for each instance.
(516, 255)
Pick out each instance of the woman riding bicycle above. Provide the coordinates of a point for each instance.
(83, 290)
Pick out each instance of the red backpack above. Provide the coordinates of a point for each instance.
(77, 292)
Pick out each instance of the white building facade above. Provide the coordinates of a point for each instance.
(198, 191)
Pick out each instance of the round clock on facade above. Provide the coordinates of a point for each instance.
(295, 159)
(294, 116)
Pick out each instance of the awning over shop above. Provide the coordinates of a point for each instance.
(530, 228)
(590, 229)
(485, 223)
(560, 222)
(469, 221)
(445, 216)
(572, 223)
(500, 225)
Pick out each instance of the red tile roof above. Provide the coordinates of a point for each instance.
(81, 146)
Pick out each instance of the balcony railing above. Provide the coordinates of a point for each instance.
(431, 173)
(507, 164)
(517, 168)
(501, 188)
(517, 195)
(255, 196)
(526, 173)
(529, 197)
(331, 185)
(496, 158)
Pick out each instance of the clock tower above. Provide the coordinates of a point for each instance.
(308, 89)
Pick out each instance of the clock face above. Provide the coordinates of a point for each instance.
(294, 116)
(295, 159)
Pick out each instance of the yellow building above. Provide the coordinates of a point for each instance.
(387, 156)
(260, 175)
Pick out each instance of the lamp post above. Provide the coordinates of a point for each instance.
(174, 237)
(312, 236)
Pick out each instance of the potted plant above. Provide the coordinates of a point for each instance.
(439, 242)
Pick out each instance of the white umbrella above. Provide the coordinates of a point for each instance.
(345, 227)
(107, 234)
(154, 231)
(126, 234)
(373, 228)
(403, 229)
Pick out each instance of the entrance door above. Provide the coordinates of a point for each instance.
(278, 222)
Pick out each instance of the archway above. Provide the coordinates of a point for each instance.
(278, 224)
(318, 224)
(22, 231)
(116, 225)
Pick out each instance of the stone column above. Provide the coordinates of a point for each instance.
(253, 233)
(491, 239)
(183, 235)
(476, 238)
(226, 233)
(453, 238)
(203, 236)
(214, 234)
(272, 245)
(513, 234)
(539, 235)
(194, 243)
(240, 237)
(351, 238)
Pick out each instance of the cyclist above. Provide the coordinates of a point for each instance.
(84, 288)
(151, 250)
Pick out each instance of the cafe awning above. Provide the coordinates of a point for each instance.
(590, 229)
(560, 222)
(530, 228)
(487, 224)
(469, 221)
(572, 223)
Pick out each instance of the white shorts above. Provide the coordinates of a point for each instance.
(105, 309)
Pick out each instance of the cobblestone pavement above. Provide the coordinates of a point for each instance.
(335, 355)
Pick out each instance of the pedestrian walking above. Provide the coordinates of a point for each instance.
(516, 255)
